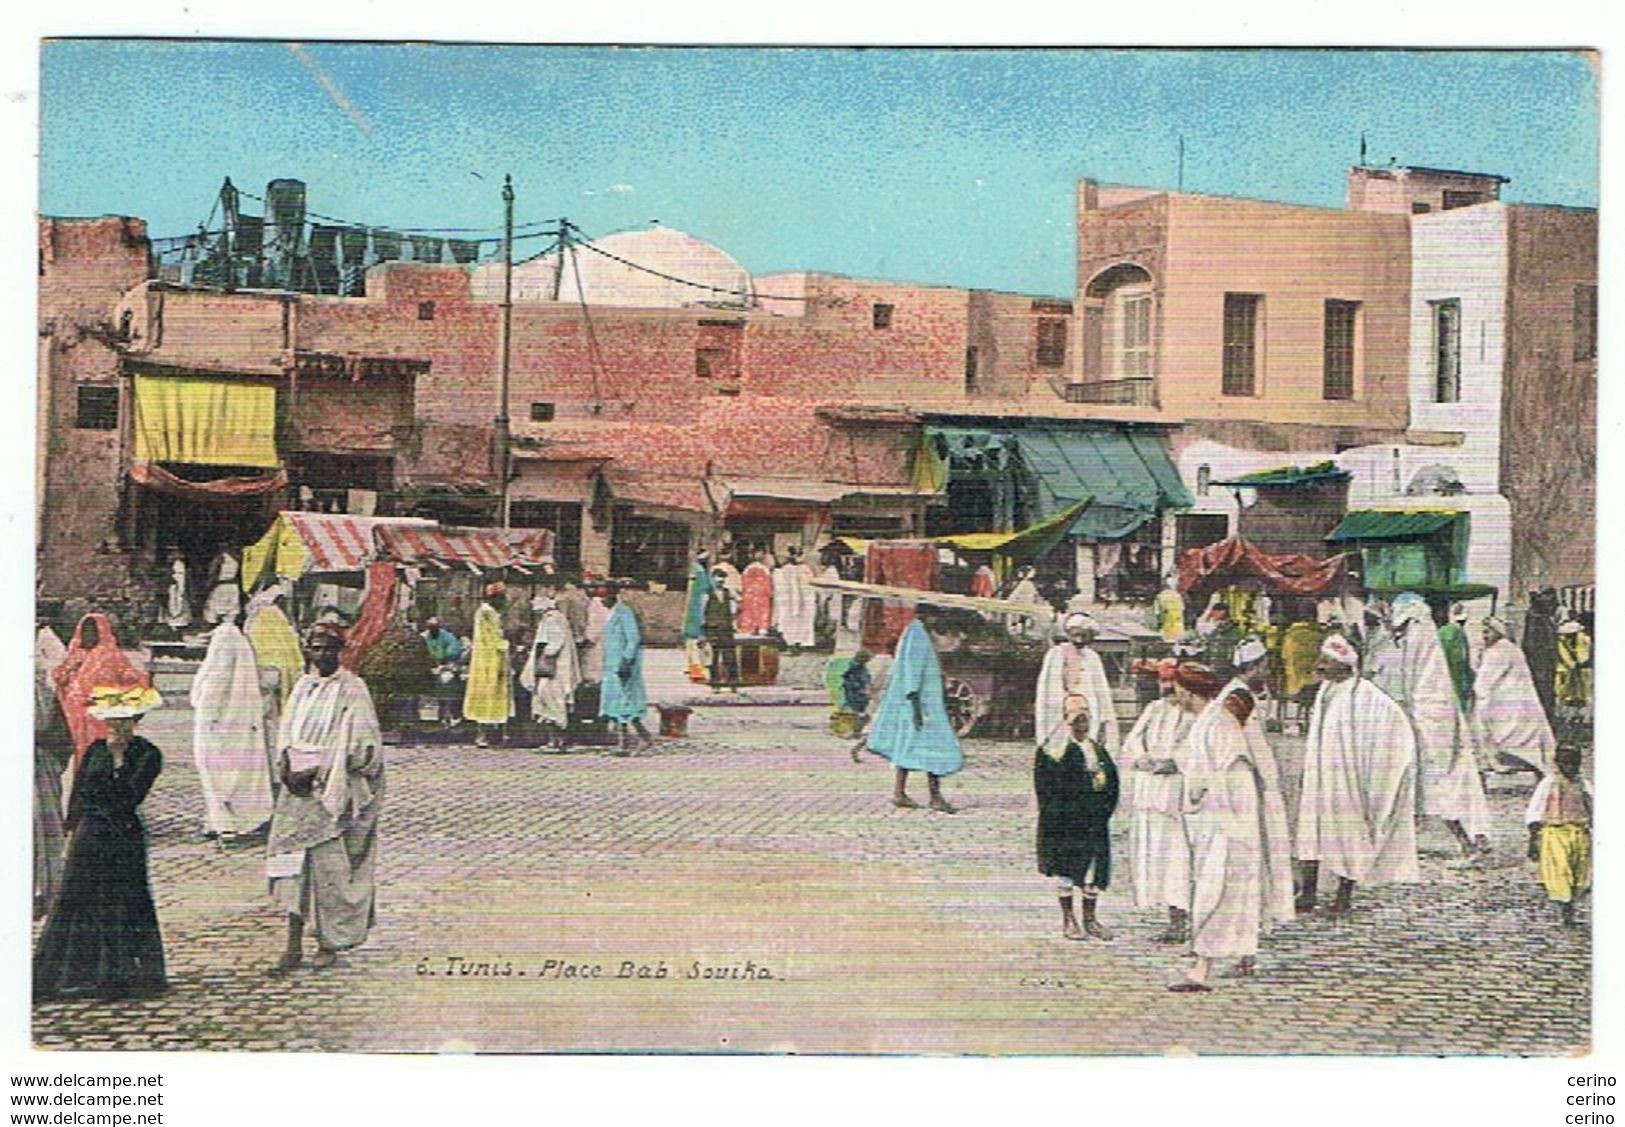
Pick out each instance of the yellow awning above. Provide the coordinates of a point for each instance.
(1030, 541)
(210, 422)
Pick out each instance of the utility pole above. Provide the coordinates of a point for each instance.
(504, 440)
(558, 266)
(1181, 174)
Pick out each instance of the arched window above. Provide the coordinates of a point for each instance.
(1118, 307)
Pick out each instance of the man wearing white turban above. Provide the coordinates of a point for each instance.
(1072, 668)
(1448, 783)
(1357, 806)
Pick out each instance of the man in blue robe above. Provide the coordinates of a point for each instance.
(622, 699)
(911, 727)
(699, 589)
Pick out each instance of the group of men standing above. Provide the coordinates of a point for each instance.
(1388, 741)
(722, 603)
(580, 637)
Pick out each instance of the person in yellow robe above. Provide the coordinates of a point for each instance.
(488, 701)
(1573, 681)
(276, 645)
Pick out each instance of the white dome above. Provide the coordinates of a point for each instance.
(718, 278)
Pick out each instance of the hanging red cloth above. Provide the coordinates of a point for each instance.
(87, 668)
(756, 602)
(155, 476)
(895, 563)
(1289, 574)
(377, 610)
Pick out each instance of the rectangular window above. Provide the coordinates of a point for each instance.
(1447, 351)
(97, 408)
(1051, 342)
(1241, 343)
(425, 311)
(1585, 322)
(882, 315)
(1134, 350)
(541, 412)
(1342, 319)
(970, 370)
(709, 362)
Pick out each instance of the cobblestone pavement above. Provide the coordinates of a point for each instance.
(756, 847)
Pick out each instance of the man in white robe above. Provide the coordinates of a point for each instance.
(1448, 782)
(1159, 851)
(1241, 871)
(1508, 717)
(322, 850)
(228, 736)
(1357, 806)
(1072, 668)
(1026, 593)
(177, 608)
(794, 609)
(552, 671)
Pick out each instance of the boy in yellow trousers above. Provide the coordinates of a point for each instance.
(1559, 819)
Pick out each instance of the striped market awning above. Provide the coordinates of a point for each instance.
(298, 543)
(474, 548)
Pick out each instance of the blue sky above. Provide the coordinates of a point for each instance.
(944, 166)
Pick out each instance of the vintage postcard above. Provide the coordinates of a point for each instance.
(814, 550)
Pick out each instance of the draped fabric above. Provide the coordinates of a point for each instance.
(794, 612)
(1159, 852)
(1357, 806)
(86, 668)
(228, 734)
(211, 422)
(488, 699)
(322, 848)
(1241, 867)
(1507, 714)
(276, 645)
(699, 586)
(377, 608)
(554, 648)
(756, 602)
(154, 476)
(622, 697)
(1070, 671)
(895, 563)
(1290, 574)
(1448, 783)
(931, 746)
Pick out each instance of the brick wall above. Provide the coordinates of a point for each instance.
(85, 267)
(1549, 420)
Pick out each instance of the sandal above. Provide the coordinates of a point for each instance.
(904, 802)
(1191, 986)
(324, 959)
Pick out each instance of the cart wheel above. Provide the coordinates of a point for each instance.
(965, 707)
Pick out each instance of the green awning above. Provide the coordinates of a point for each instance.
(1128, 474)
(1393, 524)
(1288, 476)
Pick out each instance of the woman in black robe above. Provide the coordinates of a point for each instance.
(101, 939)
(1077, 794)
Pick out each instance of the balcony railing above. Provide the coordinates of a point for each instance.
(1139, 391)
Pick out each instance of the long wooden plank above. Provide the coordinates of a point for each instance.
(934, 598)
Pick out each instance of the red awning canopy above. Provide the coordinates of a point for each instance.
(1236, 559)
(476, 548)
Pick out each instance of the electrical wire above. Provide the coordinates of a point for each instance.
(588, 243)
(413, 230)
